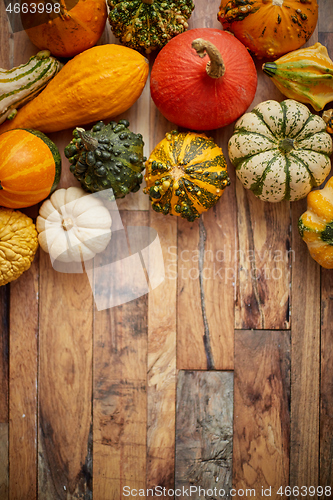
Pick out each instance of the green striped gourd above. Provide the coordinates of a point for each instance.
(280, 150)
(21, 84)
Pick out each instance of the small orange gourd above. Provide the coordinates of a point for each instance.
(77, 27)
(316, 225)
(30, 168)
(97, 84)
(270, 28)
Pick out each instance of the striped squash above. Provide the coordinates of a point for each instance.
(30, 167)
(21, 84)
(185, 174)
(316, 225)
(280, 150)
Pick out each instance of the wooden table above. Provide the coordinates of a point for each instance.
(220, 377)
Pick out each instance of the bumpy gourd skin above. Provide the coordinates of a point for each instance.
(186, 175)
(148, 24)
(114, 161)
(18, 244)
(316, 225)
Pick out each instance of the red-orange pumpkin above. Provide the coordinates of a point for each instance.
(270, 28)
(206, 92)
(78, 27)
(30, 168)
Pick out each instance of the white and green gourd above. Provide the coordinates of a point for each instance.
(21, 84)
(280, 150)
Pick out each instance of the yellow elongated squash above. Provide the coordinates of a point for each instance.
(100, 83)
(305, 75)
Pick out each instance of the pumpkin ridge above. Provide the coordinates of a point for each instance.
(261, 117)
(312, 179)
(258, 186)
(287, 191)
(249, 132)
(284, 121)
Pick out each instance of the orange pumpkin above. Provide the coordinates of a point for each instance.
(30, 168)
(77, 27)
(270, 28)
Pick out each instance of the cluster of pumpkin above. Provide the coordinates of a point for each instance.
(202, 79)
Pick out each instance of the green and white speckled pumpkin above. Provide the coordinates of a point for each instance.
(280, 150)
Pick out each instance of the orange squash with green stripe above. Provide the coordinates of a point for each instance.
(186, 175)
(30, 167)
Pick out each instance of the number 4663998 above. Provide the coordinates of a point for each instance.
(33, 8)
(304, 491)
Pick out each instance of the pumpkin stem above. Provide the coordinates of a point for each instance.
(90, 143)
(67, 224)
(328, 119)
(215, 67)
(286, 145)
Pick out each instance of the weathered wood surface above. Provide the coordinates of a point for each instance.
(204, 434)
(105, 381)
(305, 367)
(326, 381)
(120, 386)
(261, 411)
(4, 391)
(161, 368)
(23, 364)
(65, 384)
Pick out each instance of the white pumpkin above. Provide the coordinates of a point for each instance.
(73, 225)
(280, 150)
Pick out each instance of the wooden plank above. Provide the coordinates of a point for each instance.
(204, 434)
(162, 366)
(326, 382)
(4, 480)
(261, 411)
(325, 16)
(65, 385)
(305, 368)
(23, 384)
(120, 385)
(4, 382)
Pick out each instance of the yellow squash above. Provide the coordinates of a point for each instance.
(18, 244)
(305, 75)
(100, 83)
(316, 225)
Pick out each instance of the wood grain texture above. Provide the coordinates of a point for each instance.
(325, 16)
(204, 433)
(4, 472)
(162, 366)
(65, 385)
(4, 391)
(305, 367)
(326, 381)
(120, 387)
(261, 411)
(23, 384)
